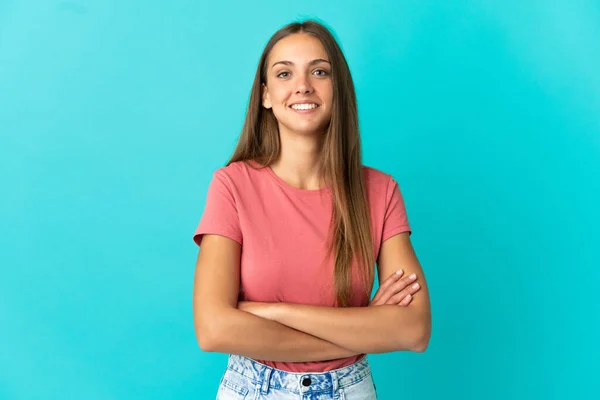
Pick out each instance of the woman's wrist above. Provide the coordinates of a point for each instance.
(270, 311)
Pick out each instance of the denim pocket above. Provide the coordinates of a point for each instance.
(232, 387)
(363, 390)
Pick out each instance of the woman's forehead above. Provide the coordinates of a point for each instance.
(298, 49)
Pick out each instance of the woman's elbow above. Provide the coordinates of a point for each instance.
(423, 335)
(421, 344)
(204, 338)
(207, 332)
(416, 336)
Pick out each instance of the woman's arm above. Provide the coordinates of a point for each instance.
(245, 334)
(377, 329)
(221, 327)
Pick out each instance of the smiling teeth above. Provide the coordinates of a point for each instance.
(304, 106)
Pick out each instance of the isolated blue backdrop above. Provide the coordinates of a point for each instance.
(114, 115)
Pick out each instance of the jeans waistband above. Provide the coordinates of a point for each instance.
(265, 377)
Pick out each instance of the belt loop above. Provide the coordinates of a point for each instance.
(335, 385)
(266, 380)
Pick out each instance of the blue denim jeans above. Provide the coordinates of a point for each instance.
(247, 379)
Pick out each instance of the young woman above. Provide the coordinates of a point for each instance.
(291, 231)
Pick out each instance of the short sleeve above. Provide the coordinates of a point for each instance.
(220, 214)
(396, 219)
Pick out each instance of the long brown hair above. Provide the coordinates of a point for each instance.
(340, 163)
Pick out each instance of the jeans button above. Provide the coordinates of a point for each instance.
(306, 381)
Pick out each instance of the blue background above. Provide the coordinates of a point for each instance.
(114, 114)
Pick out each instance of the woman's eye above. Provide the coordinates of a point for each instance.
(322, 72)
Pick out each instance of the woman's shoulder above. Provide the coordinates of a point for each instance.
(238, 172)
(376, 177)
(231, 169)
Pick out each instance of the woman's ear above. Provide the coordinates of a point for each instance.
(265, 97)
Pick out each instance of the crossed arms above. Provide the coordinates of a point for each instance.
(297, 332)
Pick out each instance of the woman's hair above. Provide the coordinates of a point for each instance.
(340, 164)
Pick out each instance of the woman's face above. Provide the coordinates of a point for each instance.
(299, 76)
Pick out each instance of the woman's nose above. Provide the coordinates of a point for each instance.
(303, 85)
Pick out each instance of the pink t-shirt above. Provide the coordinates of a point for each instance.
(283, 232)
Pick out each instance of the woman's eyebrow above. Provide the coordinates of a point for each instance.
(315, 61)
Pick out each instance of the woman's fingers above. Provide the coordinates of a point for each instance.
(405, 301)
(401, 296)
(397, 288)
(390, 280)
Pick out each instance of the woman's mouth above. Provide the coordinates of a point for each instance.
(306, 108)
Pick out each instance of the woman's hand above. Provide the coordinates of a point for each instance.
(396, 291)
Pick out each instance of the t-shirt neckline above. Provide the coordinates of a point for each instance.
(291, 188)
